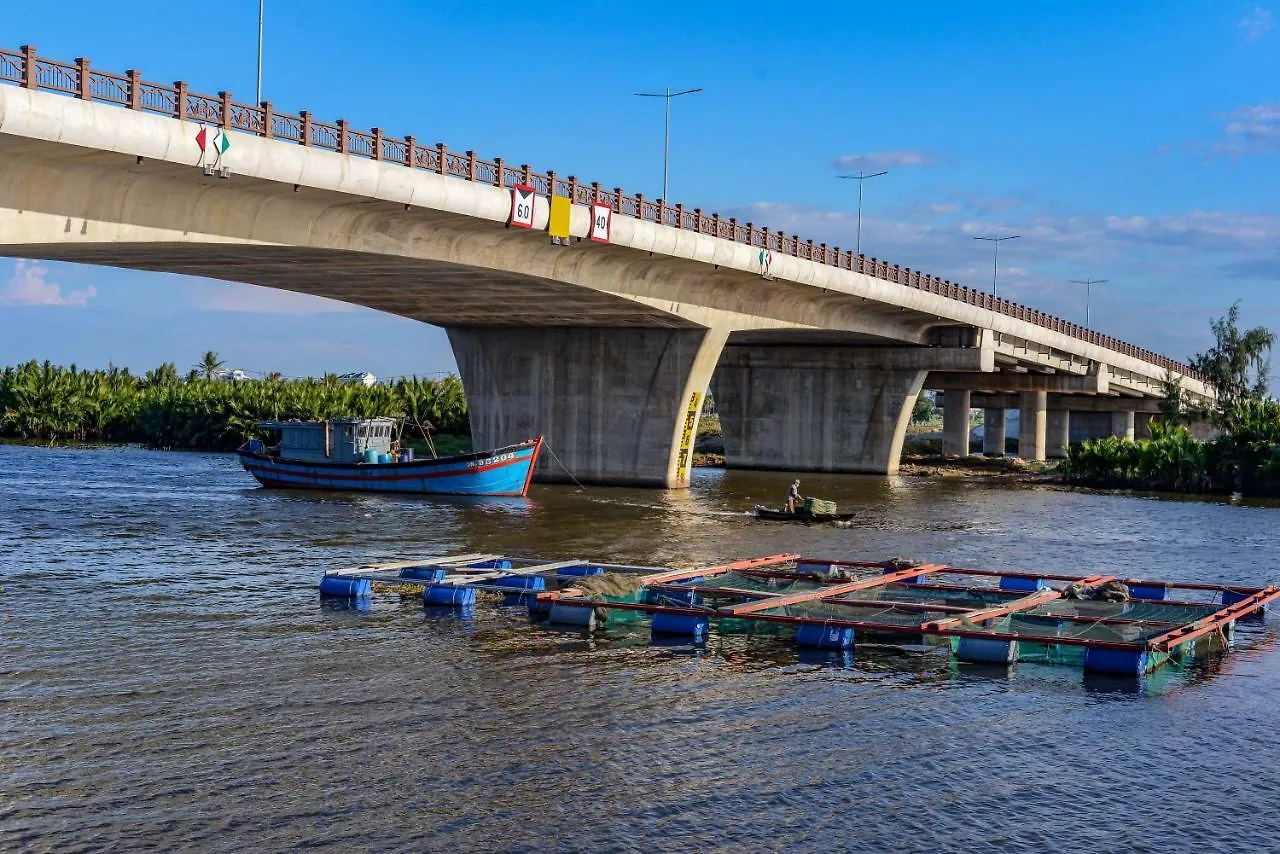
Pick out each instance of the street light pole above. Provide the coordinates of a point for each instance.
(666, 95)
(995, 258)
(860, 177)
(261, 10)
(1088, 290)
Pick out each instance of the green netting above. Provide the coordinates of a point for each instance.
(893, 619)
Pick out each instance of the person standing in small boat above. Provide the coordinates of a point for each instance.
(793, 496)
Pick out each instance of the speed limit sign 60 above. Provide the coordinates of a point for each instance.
(522, 206)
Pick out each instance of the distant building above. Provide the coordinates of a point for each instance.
(365, 378)
(231, 375)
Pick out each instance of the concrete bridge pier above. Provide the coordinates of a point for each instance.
(826, 408)
(993, 431)
(1033, 420)
(617, 405)
(1057, 434)
(955, 422)
(1122, 424)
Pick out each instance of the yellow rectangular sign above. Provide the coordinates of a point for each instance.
(558, 224)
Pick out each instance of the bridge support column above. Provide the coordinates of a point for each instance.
(955, 423)
(1122, 425)
(616, 405)
(993, 431)
(825, 407)
(1057, 434)
(1032, 419)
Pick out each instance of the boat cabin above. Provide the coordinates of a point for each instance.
(337, 440)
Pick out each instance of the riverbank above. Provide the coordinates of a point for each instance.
(1009, 469)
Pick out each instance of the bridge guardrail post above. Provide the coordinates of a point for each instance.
(442, 153)
(679, 216)
(697, 220)
(225, 97)
(180, 100)
(134, 86)
(595, 191)
(343, 144)
(83, 77)
(573, 188)
(471, 165)
(526, 175)
(410, 151)
(377, 144)
(305, 115)
(551, 183)
(29, 66)
(617, 200)
(497, 171)
(268, 120)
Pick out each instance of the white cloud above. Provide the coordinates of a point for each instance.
(877, 161)
(1252, 129)
(1256, 24)
(232, 296)
(30, 285)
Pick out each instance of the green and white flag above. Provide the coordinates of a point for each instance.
(213, 141)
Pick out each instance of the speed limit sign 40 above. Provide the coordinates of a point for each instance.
(601, 216)
(522, 206)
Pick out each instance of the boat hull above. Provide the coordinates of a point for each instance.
(500, 472)
(774, 515)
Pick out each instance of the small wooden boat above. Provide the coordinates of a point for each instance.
(356, 454)
(777, 514)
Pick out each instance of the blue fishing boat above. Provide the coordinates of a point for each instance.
(361, 454)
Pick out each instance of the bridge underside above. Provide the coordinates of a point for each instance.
(604, 349)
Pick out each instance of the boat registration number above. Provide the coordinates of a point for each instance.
(488, 461)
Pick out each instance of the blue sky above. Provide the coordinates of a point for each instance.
(1137, 142)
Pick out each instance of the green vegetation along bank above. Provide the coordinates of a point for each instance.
(51, 404)
(1243, 458)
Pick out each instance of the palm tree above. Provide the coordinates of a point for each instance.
(209, 365)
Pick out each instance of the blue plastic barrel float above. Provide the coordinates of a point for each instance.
(424, 573)
(254, 446)
(370, 455)
(986, 650)
(406, 456)
(384, 458)
(689, 625)
(1022, 583)
(565, 614)
(448, 595)
(580, 570)
(342, 587)
(822, 636)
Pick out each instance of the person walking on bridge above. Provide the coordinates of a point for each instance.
(794, 496)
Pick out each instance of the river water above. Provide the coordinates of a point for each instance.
(169, 678)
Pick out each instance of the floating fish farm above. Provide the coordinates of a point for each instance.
(1102, 623)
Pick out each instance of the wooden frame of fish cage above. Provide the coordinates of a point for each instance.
(686, 588)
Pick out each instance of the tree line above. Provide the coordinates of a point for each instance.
(163, 409)
(1244, 456)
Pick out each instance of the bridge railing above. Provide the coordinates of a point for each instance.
(78, 79)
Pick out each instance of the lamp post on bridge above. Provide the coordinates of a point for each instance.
(1088, 288)
(261, 11)
(860, 178)
(995, 259)
(666, 95)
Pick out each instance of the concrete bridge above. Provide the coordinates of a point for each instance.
(600, 330)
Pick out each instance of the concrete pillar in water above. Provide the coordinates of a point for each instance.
(616, 405)
(993, 432)
(1122, 425)
(824, 408)
(955, 423)
(1032, 418)
(1057, 434)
